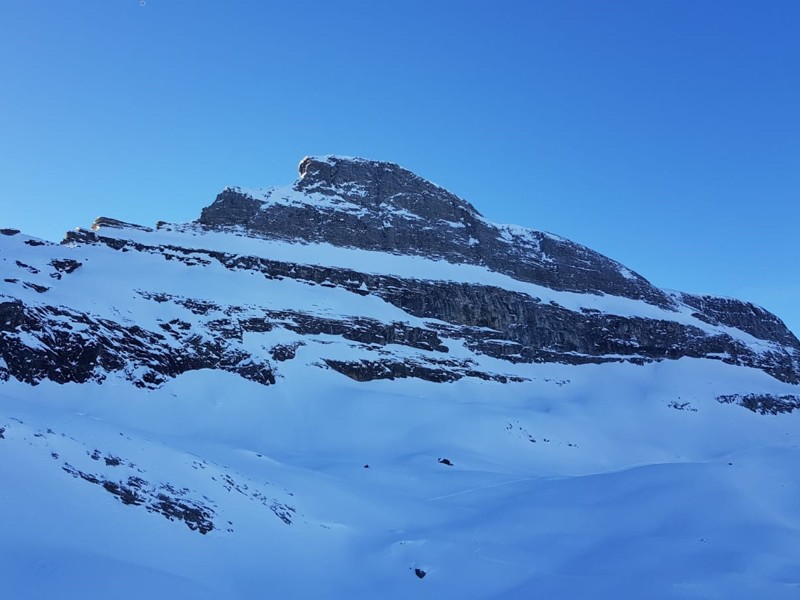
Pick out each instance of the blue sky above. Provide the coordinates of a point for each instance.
(665, 134)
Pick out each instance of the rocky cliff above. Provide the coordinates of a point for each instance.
(407, 280)
(355, 386)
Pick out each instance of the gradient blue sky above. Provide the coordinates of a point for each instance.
(665, 134)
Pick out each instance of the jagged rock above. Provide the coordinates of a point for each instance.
(117, 224)
(765, 404)
(162, 499)
(523, 328)
(99, 346)
(381, 206)
(375, 206)
(65, 265)
(744, 316)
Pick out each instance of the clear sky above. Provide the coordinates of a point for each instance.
(665, 134)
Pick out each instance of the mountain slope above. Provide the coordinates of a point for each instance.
(356, 385)
(489, 288)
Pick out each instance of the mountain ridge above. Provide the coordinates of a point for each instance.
(275, 398)
(381, 206)
(460, 276)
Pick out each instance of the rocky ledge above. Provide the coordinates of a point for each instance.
(355, 204)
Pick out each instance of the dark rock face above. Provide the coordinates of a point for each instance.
(500, 323)
(381, 206)
(77, 347)
(144, 487)
(161, 499)
(765, 404)
(745, 316)
(439, 371)
(63, 266)
(230, 208)
(117, 224)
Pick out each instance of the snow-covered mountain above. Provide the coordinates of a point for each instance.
(357, 386)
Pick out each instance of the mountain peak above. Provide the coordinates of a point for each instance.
(215, 385)
(380, 206)
(316, 163)
(335, 168)
(371, 184)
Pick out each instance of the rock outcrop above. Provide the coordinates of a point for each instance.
(381, 206)
(554, 300)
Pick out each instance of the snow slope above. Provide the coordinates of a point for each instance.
(275, 475)
(585, 481)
